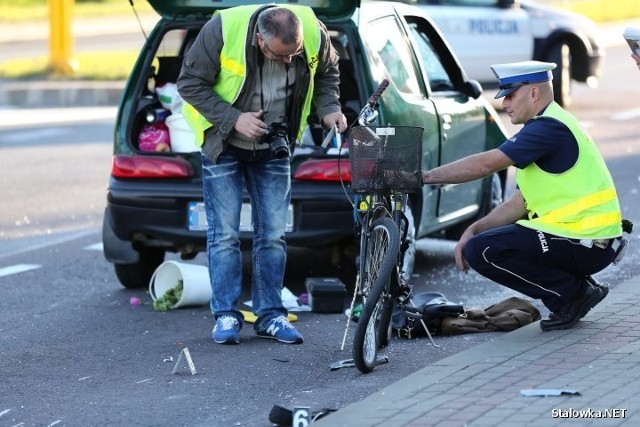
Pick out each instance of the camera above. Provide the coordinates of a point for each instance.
(277, 137)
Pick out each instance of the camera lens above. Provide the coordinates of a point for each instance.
(279, 148)
(278, 140)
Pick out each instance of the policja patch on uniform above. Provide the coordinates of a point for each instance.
(516, 74)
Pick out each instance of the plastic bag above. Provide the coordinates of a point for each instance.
(154, 137)
(169, 97)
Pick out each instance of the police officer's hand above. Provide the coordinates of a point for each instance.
(250, 125)
(461, 263)
(337, 119)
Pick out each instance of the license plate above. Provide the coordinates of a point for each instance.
(198, 217)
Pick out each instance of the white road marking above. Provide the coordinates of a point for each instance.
(18, 268)
(626, 115)
(436, 246)
(94, 247)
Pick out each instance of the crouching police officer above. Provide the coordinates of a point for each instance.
(563, 222)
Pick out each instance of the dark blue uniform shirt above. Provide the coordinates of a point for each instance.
(547, 142)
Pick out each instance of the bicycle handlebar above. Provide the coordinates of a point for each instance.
(369, 112)
(381, 88)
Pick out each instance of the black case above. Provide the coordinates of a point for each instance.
(326, 294)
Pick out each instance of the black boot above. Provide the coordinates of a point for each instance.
(595, 283)
(587, 298)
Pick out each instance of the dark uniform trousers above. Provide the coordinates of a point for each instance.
(540, 265)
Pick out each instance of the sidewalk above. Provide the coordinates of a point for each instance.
(599, 359)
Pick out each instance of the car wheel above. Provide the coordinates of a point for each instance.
(489, 203)
(561, 55)
(138, 275)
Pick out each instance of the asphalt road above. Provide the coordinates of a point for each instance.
(75, 351)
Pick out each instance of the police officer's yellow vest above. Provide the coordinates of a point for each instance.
(233, 62)
(579, 203)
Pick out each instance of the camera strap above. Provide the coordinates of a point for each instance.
(286, 88)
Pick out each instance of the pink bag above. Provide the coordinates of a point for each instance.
(154, 137)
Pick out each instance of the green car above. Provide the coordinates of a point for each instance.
(155, 203)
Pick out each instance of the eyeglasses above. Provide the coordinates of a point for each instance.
(284, 58)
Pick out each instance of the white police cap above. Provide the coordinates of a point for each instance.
(516, 74)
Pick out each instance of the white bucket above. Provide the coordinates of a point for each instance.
(196, 287)
(180, 134)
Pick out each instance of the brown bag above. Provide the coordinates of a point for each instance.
(506, 315)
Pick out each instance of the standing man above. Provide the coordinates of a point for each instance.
(249, 82)
(563, 222)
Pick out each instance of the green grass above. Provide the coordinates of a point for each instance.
(107, 65)
(601, 10)
(115, 65)
(35, 10)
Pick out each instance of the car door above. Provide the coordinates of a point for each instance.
(461, 120)
(483, 32)
(405, 102)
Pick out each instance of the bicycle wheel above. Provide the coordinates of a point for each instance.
(380, 256)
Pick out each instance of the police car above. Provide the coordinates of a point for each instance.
(486, 32)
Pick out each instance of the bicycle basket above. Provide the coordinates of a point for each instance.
(385, 158)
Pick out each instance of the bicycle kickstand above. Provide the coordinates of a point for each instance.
(419, 317)
(349, 363)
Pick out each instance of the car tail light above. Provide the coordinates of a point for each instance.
(150, 167)
(324, 170)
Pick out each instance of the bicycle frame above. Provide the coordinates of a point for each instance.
(379, 282)
(385, 166)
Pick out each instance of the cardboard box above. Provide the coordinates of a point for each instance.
(326, 294)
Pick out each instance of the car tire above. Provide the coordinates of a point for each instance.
(493, 199)
(138, 275)
(561, 55)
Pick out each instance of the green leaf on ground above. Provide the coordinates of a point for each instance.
(169, 299)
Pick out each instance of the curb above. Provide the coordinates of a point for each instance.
(32, 94)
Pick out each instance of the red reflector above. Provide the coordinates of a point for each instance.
(150, 167)
(324, 170)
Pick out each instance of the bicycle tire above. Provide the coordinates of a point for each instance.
(386, 310)
(381, 254)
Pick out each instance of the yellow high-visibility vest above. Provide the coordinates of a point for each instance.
(579, 203)
(233, 62)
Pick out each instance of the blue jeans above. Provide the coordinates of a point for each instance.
(268, 183)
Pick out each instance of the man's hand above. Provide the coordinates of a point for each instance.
(337, 119)
(461, 263)
(250, 125)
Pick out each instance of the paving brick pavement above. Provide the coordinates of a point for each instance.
(599, 359)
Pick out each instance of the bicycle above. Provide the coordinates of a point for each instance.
(385, 169)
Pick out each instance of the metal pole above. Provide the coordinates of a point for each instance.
(61, 43)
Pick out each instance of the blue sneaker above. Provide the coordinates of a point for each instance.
(227, 330)
(279, 328)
